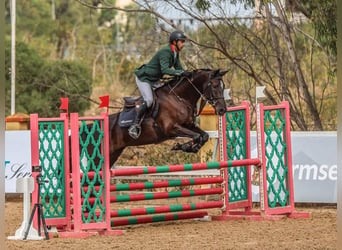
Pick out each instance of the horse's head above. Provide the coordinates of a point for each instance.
(213, 89)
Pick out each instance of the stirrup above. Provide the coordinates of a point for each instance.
(134, 131)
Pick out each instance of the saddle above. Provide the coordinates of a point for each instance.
(129, 112)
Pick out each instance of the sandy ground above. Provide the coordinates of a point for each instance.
(318, 232)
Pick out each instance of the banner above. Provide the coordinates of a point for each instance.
(314, 164)
(17, 157)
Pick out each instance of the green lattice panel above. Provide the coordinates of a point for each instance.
(236, 150)
(92, 160)
(276, 160)
(51, 158)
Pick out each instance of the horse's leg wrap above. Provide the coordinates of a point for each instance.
(204, 138)
(198, 142)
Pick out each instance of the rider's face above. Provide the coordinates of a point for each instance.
(180, 44)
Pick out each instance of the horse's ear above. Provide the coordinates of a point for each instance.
(214, 73)
(222, 73)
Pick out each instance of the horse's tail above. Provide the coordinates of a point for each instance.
(113, 119)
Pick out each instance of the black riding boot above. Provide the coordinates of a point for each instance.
(135, 129)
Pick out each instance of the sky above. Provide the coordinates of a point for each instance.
(224, 8)
(169, 9)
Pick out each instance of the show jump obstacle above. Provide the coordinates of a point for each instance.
(84, 202)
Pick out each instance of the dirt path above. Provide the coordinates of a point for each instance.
(319, 232)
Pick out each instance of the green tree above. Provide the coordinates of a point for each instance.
(41, 83)
(323, 15)
(28, 63)
(63, 79)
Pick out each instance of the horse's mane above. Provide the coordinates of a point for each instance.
(168, 82)
(203, 70)
(171, 81)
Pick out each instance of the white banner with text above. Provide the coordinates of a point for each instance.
(17, 157)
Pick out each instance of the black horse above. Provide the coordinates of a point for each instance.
(176, 104)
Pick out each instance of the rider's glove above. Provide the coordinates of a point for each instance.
(186, 74)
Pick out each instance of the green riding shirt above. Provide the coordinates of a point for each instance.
(164, 62)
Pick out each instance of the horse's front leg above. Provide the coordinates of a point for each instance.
(203, 138)
(199, 138)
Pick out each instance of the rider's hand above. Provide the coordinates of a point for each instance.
(186, 74)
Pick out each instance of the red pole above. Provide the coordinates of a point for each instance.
(157, 218)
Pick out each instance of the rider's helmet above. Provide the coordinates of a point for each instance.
(177, 35)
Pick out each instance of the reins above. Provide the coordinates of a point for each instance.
(175, 86)
(204, 99)
(199, 92)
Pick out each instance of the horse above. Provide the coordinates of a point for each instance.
(174, 113)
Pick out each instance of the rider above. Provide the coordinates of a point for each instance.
(165, 62)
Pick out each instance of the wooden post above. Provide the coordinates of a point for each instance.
(208, 122)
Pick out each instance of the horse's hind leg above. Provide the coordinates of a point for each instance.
(185, 147)
(114, 156)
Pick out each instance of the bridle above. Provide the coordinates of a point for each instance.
(212, 100)
(205, 98)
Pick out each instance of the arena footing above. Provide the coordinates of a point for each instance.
(86, 234)
(259, 216)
